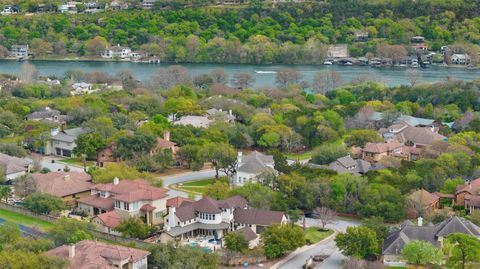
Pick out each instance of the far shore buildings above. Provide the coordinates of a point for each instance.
(252, 167)
(62, 143)
(19, 51)
(89, 254)
(14, 167)
(111, 203)
(434, 234)
(69, 186)
(117, 51)
(212, 219)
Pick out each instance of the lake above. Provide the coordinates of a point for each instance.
(391, 76)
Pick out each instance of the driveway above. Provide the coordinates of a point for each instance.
(46, 161)
(326, 247)
(189, 176)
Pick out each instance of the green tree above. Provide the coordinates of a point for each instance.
(164, 159)
(465, 251)
(218, 190)
(96, 46)
(328, 153)
(70, 231)
(420, 252)
(44, 203)
(361, 137)
(9, 233)
(120, 170)
(170, 256)
(133, 228)
(279, 239)
(222, 157)
(19, 259)
(360, 242)
(89, 144)
(36, 245)
(5, 192)
(236, 242)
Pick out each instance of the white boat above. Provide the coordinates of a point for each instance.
(348, 63)
(327, 63)
(265, 72)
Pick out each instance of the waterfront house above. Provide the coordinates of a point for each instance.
(14, 167)
(69, 186)
(81, 88)
(468, 195)
(422, 203)
(434, 234)
(418, 43)
(95, 254)
(460, 59)
(117, 52)
(126, 198)
(338, 51)
(212, 219)
(252, 167)
(62, 143)
(19, 51)
(148, 4)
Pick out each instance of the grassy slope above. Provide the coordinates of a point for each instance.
(314, 235)
(25, 220)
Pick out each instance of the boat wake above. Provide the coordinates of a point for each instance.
(265, 72)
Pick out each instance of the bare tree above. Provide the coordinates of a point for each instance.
(325, 81)
(173, 75)
(25, 185)
(325, 215)
(354, 263)
(243, 80)
(412, 75)
(219, 76)
(29, 73)
(287, 76)
(394, 52)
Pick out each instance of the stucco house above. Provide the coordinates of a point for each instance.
(374, 152)
(125, 199)
(14, 167)
(252, 167)
(69, 186)
(117, 51)
(460, 58)
(62, 143)
(94, 254)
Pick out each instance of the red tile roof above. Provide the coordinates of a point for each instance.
(178, 201)
(473, 187)
(110, 219)
(63, 184)
(97, 201)
(147, 208)
(381, 147)
(133, 190)
(163, 143)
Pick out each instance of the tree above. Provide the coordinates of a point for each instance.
(361, 137)
(279, 239)
(117, 170)
(219, 76)
(243, 80)
(5, 192)
(218, 190)
(420, 252)
(70, 231)
(360, 242)
(222, 156)
(328, 153)
(35, 245)
(166, 78)
(40, 47)
(164, 159)
(29, 73)
(89, 144)
(170, 256)
(9, 233)
(133, 228)
(412, 75)
(96, 46)
(19, 259)
(129, 146)
(287, 76)
(236, 242)
(325, 215)
(43, 203)
(465, 251)
(325, 81)
(25, 185)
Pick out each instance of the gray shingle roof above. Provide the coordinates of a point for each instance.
(69, 135)
(256, 163)
(257, 216)
(12, 164)
(248, 233)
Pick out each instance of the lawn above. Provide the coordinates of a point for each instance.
(25, 220)
(199, 186)
(11, 139)
(299, 156)
(315, 234)
(78, 161)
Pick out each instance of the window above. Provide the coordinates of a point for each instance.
(135, 206)
(103, 194)
(158, 214)
(126, 206)
(117, 204)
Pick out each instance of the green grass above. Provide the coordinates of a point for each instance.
(199, 186)
(299, 156)
(314, 234)
(25, 220)
(76, 161)
(13, 139)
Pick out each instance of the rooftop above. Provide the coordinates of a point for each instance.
(255, 163)
(12, 164)
(63, 184)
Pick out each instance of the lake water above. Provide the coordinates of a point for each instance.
(391, 76)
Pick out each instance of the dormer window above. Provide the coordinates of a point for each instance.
(103, 194)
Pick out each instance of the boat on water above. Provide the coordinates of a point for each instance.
(327, 63)
(264, 72)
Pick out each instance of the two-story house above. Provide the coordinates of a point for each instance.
(62, 143)
(19, 51)
(252, 167)
(121, 200)
(117, 51)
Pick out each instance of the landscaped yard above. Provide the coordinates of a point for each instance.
(25, 220)
(315, 234)
(299, 156)
(13, 139)
(199, 186)
(78, 161)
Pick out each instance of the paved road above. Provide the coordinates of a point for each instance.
(47, 162)
(327, 247)
(189, 176)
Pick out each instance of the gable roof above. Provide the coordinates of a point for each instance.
(419, 135)
(423, 198)
(381, 147)
(256, 163)
(63, 184)
(457, 225)
(110, 219)
(133, 190)
(187, 210)
(207, 205)
(178, 201)
(472, 187)
(94, 254)
(349, 165)
(257, 216)
(70, 135)
(12, 164)
(247, 233)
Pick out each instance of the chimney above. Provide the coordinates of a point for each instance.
(166, 135)
(116, 181)
(239, 157)
(420, 221)
(54, 131)
(66, 177)
(71, 251)
(171, 218)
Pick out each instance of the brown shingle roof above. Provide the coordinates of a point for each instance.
(423, 197)
(97, 201)
(207, 205)
(63, 184)
(12, 164)
(257, 216)
(381, 147)
(110, 219)
(133, 190)
(177, 201)
(163, 143)
(93, 254)
(247, 232)
(419, 135)
(473, 187)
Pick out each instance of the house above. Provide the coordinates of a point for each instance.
(434, 234)
(47, 114)
(105, 155)
(148, 4)
(422, 203)
(347, 164)
(252, 238)
(165, 144)
(337, 51)
(14, 167)
(69, 186)
(117, 5)
(251, 167)
(117, 51)
(458, 58)
(195, 121)
(81, 88)
(468, 195)
(219, 114)
(95, 254)
(214, 218)
(62, 143)
(361, 37)
(126, 198)
(19, 51)
(418, 43)
(178, 201)
(69, 7)
(412, 136)
(374, 152)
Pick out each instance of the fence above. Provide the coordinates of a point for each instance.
(95, 233)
